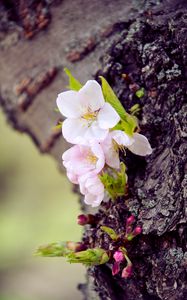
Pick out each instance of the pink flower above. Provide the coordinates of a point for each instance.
(88, 115)
(118, 256)
(80, 160)
(93, 189)
(117, 140)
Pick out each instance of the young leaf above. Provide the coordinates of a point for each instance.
(110, 232)
(53, 250)
(74, 84)
(128, 122)
(111, 97)
(140, 93)
(89, 257)
(116, 183)
(135, 109)
(124, 250)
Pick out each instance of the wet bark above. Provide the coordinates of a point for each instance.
(150, 47)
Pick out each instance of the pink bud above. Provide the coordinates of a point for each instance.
(75, 246)
(127, 271)
(86, 219)
(118, 256)
(137, 230)
(80, 247)
(115, 268)
(82, 220)
(130, 220)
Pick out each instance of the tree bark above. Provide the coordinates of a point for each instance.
(150, 47)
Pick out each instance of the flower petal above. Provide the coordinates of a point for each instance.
(108, 117)
(94, 185)
(141, 145)
(111, 154)
(93, 200)
(82, 182)
(69, 104)
(74, 131)
(112, 159)
(98, 152)
(72, 177)
(95, 132)
(92, 95)
(121, 138)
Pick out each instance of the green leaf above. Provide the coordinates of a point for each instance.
(112, 234)
(89, 257)
(140, 93)
(74, 84)
(135, 109)
(128, 123)
(124, 250)
(115, 183)
(53, 250)
(111, 97)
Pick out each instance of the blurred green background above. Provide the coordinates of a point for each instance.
(37, 206)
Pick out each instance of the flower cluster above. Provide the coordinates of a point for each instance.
(115, 253)
(99, 128)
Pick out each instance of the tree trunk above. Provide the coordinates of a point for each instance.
(150, 47)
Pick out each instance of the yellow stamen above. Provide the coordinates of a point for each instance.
(90, 115)
(92, 158)
(118, 147)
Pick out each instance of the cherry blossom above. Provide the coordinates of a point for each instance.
(117, 139)
(81, 159)
(88, 115)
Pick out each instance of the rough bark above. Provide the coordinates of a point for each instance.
(151, 49)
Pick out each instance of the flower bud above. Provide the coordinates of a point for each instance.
(85, 219)
(130, 220)
(82, 220)
(137, 230)
(53, 249)
(75, 246)
(115, 268)
(118, 256)
(127, 271)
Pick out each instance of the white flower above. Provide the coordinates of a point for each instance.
(88, 115)
(117, 139)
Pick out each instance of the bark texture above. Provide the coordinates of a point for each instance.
(150, 47)
(152, 50)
